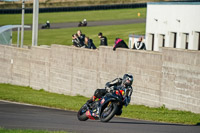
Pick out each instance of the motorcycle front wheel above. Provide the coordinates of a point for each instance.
(108, 111)
(81, 115)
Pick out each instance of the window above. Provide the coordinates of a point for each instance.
(197, 40)
(173, 36)
(161, 40)
(150, 41)
(186, 40)
(174, 40)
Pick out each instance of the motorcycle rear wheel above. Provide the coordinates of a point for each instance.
(81, 115)
(112, 108)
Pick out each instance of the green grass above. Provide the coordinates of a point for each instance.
(62, 17)
(41, 97)
(63, 36)
(3, 130)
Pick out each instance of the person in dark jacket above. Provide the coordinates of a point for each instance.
(76, 41)
(103, 39)
(119, 43)
(89, 43)
(81, 37)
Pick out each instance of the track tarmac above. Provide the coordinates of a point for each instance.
(23, 116)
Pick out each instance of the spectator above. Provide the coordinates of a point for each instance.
(139, 45)
(81, 37)
(119, 43)
(75, 41)
(103, 39)
(89, 43)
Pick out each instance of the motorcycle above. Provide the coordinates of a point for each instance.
(46, 26)
(105, 108)
(82, 24)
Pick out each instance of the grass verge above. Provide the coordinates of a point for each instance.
(3, 130)
(41, 97)
(63, 36)
(62, 17)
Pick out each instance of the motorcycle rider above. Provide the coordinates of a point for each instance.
(116, 84)
(48, 24)
(84, 22)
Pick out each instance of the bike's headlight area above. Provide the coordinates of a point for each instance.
(120, 92)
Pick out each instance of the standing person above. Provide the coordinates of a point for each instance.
(139, 45)
(81, 37)
(89, 43)
(103, 39)
(119, 43)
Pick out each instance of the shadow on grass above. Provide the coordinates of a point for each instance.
(198, 124)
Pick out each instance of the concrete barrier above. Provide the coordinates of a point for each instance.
(170, 77)
(180, 87)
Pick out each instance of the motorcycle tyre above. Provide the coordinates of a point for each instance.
(82, 117)
(111, 115)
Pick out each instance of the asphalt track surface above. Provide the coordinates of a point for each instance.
(18, 116)
(93, 23)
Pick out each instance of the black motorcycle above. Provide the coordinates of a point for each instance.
(81, 24)
(46, 26)
(104, 109)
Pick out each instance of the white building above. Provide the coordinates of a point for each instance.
(173, 24)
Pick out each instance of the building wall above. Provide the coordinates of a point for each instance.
(170, 77)
(180, 18)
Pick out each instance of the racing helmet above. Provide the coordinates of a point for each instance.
(127, 80)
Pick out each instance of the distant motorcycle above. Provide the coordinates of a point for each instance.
(81, 24)
(104, 109)
(46, 26)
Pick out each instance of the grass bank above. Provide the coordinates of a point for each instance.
(62, 17)
(41, 97)
(63, 36)
(3, 130)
